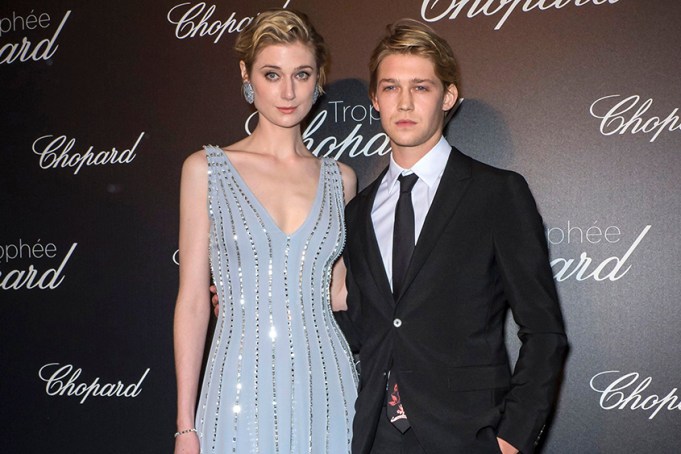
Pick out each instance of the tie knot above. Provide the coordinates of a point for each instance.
(407, 182)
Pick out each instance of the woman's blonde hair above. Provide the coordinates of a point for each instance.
(282, 26)
(409, 36)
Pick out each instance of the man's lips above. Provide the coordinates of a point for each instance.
(405, 122)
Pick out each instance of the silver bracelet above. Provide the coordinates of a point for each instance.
(186, 431)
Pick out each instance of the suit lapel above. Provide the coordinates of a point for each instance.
(453, 185)
(372, 250)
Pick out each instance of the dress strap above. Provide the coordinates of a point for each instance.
(332, 174)
(215, 155)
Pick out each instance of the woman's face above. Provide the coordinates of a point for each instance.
(283, 78)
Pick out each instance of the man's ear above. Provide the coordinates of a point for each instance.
(244, 72)
(374, 102)
(450, 96)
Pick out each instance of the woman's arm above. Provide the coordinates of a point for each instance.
(339, 291)
(192, 308)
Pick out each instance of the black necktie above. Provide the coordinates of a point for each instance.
(403, 232)
(403, 247)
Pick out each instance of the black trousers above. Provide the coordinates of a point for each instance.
(389, 440)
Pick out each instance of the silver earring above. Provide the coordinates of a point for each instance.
(247, 90)
(315, 94)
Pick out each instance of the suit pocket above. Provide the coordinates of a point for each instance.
(487, 436)
(478, 378)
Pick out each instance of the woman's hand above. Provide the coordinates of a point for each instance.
(215, 301)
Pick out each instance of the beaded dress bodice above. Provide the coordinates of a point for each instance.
(279, 375)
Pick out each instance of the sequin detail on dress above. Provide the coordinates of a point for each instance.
(279, 377)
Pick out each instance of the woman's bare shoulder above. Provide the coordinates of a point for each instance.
(195, 163)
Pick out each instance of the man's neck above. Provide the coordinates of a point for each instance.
(406, 157)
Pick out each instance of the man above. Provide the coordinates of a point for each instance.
(429, 324)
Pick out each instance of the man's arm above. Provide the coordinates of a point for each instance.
(349, 320)
(522, 257)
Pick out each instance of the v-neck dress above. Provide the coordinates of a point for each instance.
(279, 376)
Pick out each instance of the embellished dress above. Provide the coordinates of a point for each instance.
(280, 376)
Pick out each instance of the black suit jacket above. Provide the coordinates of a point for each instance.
(481, 251)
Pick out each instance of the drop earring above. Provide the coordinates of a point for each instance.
(315, 94)
(247, 90)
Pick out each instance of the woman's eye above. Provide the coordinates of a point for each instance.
(271, 76)
(303, 75)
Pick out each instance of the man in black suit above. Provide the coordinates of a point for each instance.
(439, 247)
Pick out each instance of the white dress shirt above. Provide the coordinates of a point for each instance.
(429, 169)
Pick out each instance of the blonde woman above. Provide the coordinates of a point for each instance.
(264, 217)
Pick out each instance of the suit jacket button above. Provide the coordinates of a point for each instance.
(397, 323)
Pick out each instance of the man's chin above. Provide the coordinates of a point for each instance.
(406, 143)
(405, 140)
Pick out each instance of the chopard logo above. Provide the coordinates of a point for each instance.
(31, 277)
(620, 115)
(621, 391)
(587, 267)
(197, 20)
(55, 152)
(432, 12)
(62, 381)
(24, 50)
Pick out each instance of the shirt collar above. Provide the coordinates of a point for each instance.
(429, 168)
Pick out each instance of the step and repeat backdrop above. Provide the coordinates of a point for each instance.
(102, 101)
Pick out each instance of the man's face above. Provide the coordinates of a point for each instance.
(412, 102)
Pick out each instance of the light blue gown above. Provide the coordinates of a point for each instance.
(280, 376)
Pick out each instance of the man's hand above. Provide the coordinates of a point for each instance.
(505, 447)
(214, 299)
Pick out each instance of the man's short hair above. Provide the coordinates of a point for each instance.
(411, 37)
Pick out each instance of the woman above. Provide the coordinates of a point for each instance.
(268, 217)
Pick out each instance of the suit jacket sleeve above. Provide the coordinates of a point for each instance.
(349, 320)
(522, 257)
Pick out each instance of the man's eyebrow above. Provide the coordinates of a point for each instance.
(413, 81)
(421, 81)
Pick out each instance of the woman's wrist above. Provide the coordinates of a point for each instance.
(185, 420)
(185, 431)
